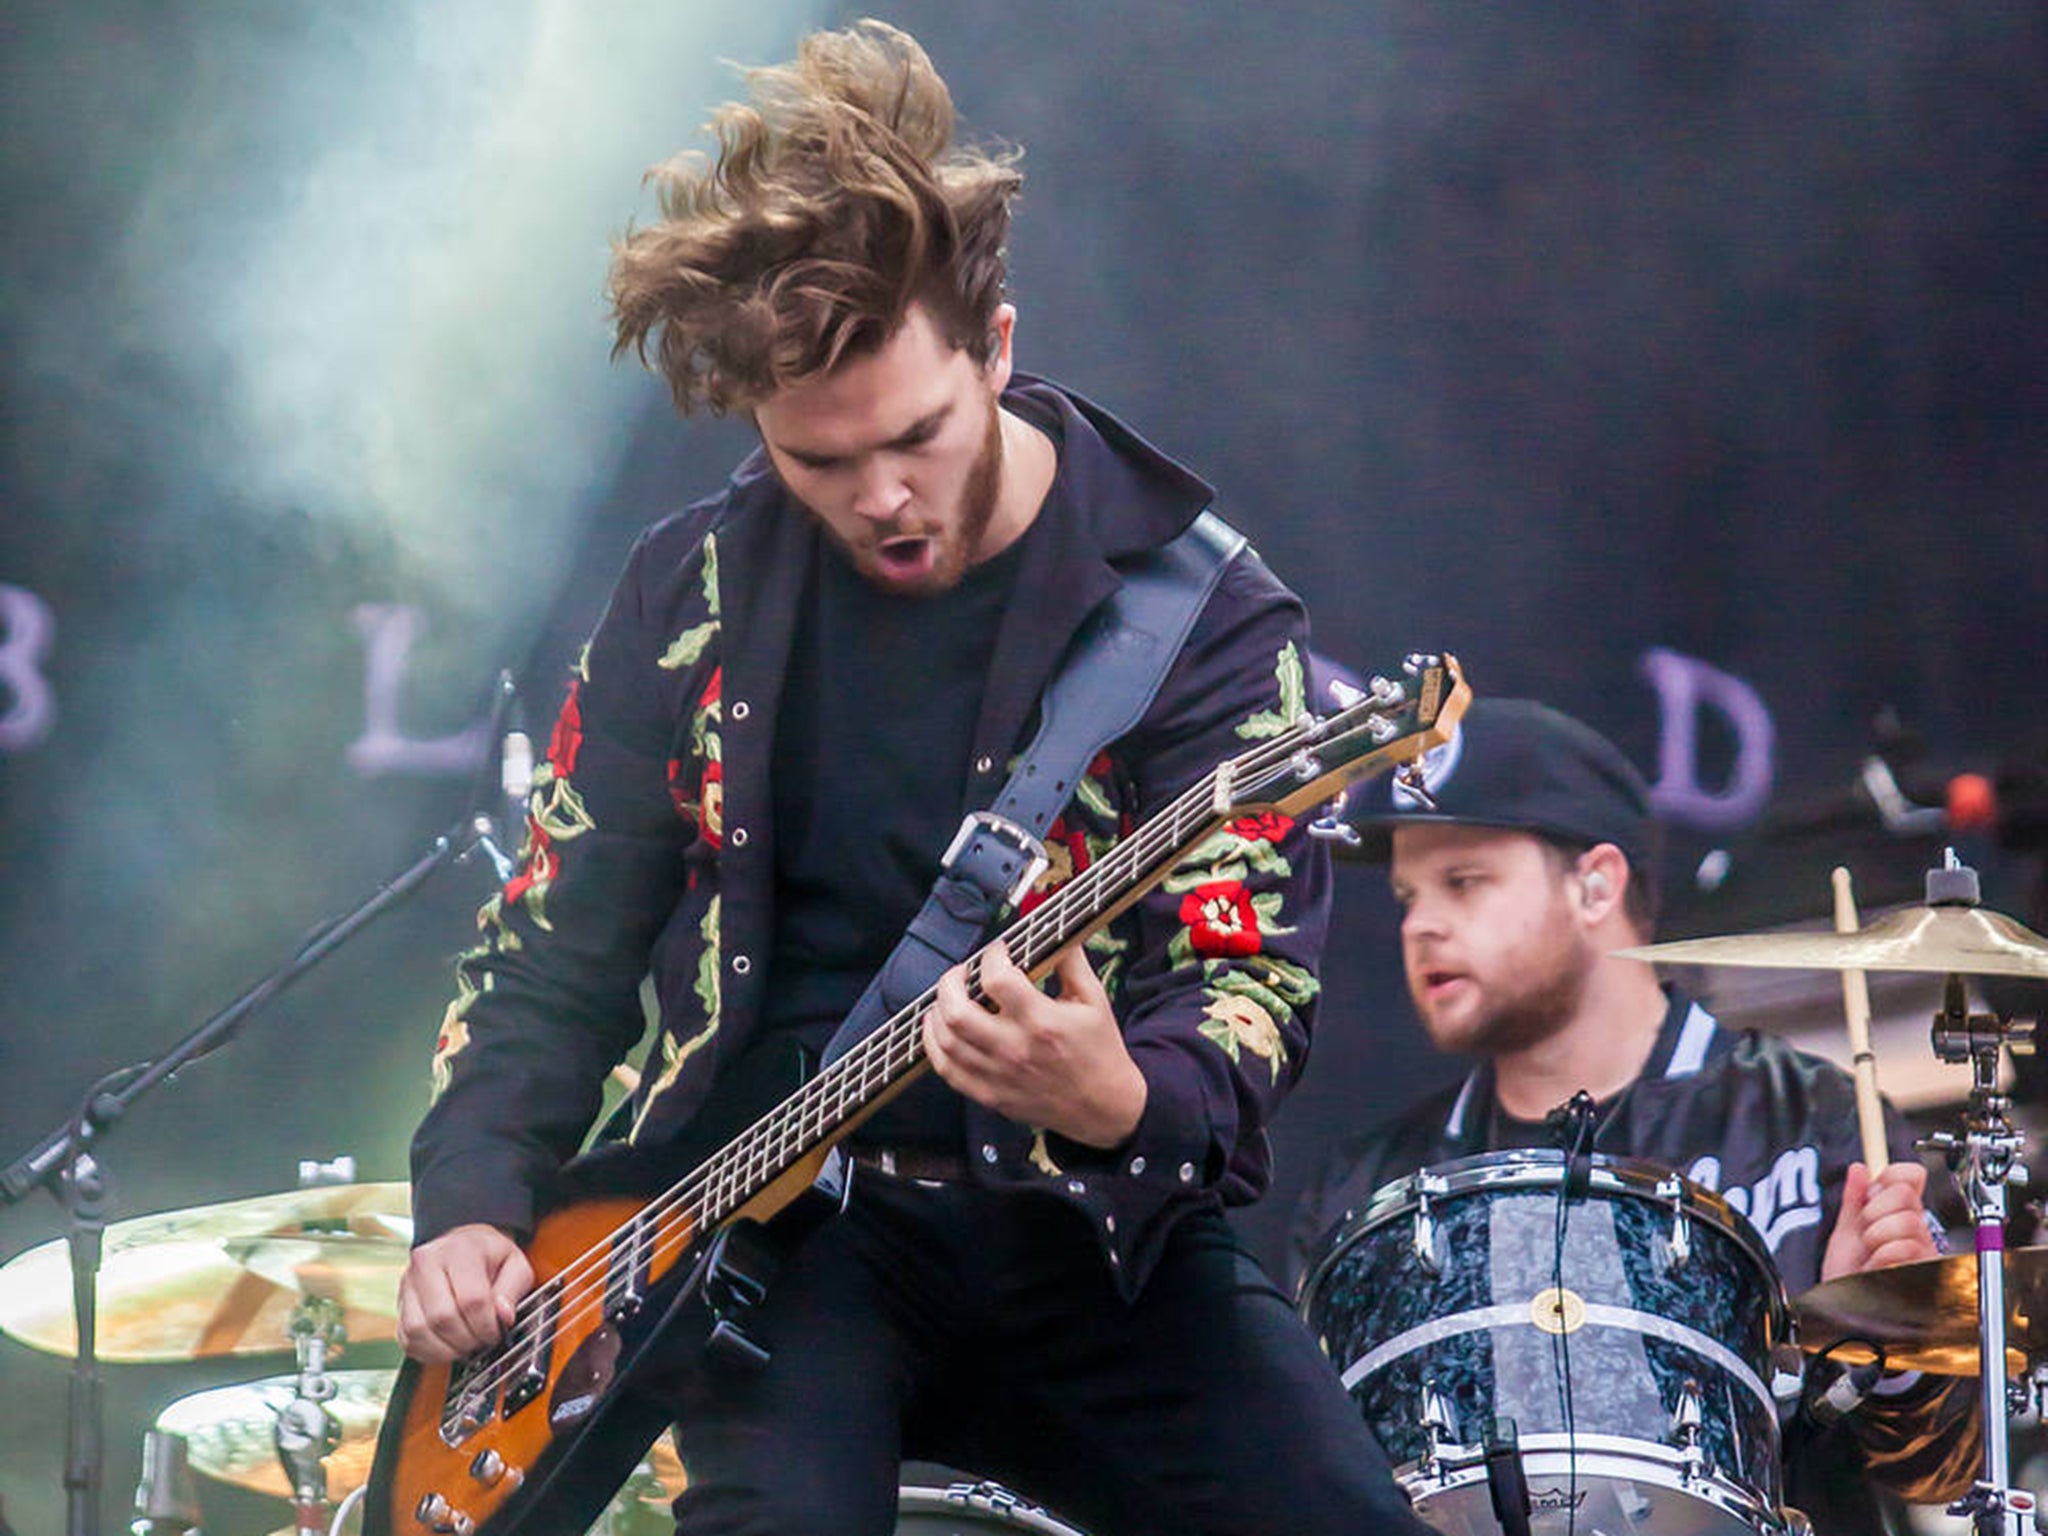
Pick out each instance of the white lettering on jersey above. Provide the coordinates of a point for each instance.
(1781, 1202)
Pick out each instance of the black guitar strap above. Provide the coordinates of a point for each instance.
(1107, 680)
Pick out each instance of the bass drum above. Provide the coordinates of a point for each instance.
(1619, 1342)
(971, 1509)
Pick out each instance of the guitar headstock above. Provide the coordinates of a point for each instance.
(1394, 723)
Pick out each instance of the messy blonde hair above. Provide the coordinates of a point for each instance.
(837, 201)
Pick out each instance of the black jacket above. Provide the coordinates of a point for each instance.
(1773, 1130)
(651, 851)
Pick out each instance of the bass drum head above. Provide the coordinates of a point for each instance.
(972, 1509)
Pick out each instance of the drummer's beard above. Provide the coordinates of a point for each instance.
(1530, 999)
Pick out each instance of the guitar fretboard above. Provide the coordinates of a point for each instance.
(829, 1105)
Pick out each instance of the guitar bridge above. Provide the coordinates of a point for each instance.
(470, 1401)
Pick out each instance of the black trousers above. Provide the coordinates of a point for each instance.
(953, 1324)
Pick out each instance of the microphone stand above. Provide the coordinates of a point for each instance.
(64, 1164)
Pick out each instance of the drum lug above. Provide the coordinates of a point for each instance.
(1439, 1428)
(1426, 1239)
(1687, 1420)
(1678, 1247)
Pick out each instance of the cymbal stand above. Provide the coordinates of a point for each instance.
(1984, 1161)
(64, 1161)
(306, 1432)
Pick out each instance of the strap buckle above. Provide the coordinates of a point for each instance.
(1012, 835)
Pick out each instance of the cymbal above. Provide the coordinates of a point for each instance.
(229, 1435)
(229, 1431)
(222, 1279)
(1925, 1313)
(1968, 941)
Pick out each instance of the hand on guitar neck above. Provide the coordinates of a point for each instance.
(1056, 1062)
(458, 1292)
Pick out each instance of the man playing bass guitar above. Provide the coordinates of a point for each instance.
(799, 687)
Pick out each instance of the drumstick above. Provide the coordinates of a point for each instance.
(1856, 1005)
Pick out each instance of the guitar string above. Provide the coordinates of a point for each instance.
(719, 1174)
(533, 1319)
(889, 1052)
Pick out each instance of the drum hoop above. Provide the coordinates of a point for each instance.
(1662, 1467)
(981, 1500)
(1498, 1318)
(1544, 1168)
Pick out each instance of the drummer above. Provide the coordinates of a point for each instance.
(1537, 863)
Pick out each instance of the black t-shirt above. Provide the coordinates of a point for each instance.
(870, 773)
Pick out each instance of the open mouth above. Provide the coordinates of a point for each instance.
(906, 559)
(1438, 983)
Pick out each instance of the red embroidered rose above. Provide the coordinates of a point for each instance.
(539, 868)
(1220, 919)
(1268, 825)
(712, 689)
(1066, 855)
(567, 739)
(711, 804)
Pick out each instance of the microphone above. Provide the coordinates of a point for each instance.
(1573, 1125)
(509, 750)
(515, 758)
(1845, 1394)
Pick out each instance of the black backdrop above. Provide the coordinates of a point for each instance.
(1567, 338)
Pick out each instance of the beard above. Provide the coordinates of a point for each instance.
(954, 545)
(1532, 999)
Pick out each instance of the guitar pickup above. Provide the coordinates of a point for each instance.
(535, 1354)
(629, 1269)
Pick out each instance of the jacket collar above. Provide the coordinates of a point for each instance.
(1113, 495)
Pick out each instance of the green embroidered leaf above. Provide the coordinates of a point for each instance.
(1186, 875)
(1293, 692)
(564, 816)
(1092, 795)
(1267, 904)
(688, 646)
(1296, 983)
(707, 961)
(1106, 951)
(674, 1055)
(1293, 684)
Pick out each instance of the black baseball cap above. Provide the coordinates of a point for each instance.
(1523, 766)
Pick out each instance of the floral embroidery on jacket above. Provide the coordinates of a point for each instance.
(673, 1055)
(1088, 828)
(1293, 699)
(1225, 920)
(690, 644)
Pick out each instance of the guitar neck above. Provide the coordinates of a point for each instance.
(1298, 766)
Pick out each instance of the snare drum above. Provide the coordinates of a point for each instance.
(1622, 1341)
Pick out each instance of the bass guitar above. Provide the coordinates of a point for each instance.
(530, 1437)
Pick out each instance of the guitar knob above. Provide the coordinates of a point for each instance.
(487, 1467)
(441, 1517)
